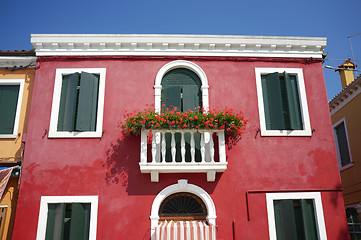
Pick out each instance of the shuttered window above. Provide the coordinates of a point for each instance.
(181, 88)
(342, 144)
(69, 221)
(282, 108)
(78, 102)
(295, 219)
(8, 107)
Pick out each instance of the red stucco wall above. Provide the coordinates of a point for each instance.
(108, 167)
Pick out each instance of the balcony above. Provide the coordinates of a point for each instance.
(182, 151)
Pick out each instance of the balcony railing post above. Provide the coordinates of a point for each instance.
(163, 147)
(193, 150)
(222, 147)
(183, 148)
(173, 148)
(143, 146)
(203, 147)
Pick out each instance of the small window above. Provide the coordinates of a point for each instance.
(342, 146)
(78, 103)
(354, 224)
(11, 91)
(67, 217)
(68, 221)
(282, 102)
(3, 211)
(295, 216)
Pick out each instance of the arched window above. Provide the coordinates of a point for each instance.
(181, 88)
(182, 206)
(191, 74)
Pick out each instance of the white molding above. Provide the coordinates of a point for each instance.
(315, 196)
(346, 96)
(180, 64)
(21, 83)
(181, 186)
(177, 45)
(303, 102)
(13, 61)
(334, 126)
(43, 213)
(53, 133)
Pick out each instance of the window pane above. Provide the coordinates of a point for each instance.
(295, 219)
(342, 144)
(68, 221)
(8, 105)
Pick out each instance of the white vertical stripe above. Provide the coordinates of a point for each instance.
(206, 227)
(175, 230)
(182, 237)
(169, 227)
(201, 230)
(195, 230)
(188, 231)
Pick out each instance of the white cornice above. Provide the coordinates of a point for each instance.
(12, 61)
(345, 96)
(176, 45)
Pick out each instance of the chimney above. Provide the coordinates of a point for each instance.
(346, 72)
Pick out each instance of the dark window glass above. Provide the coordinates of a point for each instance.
(342, 144)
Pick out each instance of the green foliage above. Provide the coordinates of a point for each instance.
(233, 123)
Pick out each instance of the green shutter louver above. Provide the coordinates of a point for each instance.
(80, 221)
(274, 102)
(309, 221)
(171, 96)
(343, 144)
(88, 102)
(55, 222)
(285, 220)
(293, 102)
(190, 97)
(78, 102)
(68, 102)
(8, 105)
(282, 107)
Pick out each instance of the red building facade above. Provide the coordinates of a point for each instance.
(278, 170)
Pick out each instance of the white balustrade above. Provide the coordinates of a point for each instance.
(182, 151)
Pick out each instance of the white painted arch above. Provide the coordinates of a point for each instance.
(182, 186)
(180, 64)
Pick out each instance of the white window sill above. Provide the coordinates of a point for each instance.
(288, 133)
(8, 135)
(75, 135)
(346, 166)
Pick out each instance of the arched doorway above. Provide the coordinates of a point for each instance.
(191, 192)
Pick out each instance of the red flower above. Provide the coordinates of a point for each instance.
(196, 117)
(157, 124)
(185, 125)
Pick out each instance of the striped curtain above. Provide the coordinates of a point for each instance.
(185, 230)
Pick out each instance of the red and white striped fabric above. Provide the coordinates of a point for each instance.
(185, 230)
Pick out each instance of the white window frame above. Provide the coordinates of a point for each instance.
(343, 120)
(319, 217)
(180, 64)
(43, 213)
(303, 103)
(60, 72)
(19, 82)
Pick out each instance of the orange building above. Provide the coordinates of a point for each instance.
(17, 71)
(345, 110)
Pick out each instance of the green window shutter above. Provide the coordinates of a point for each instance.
(309, 221)
(293, 102)
(8, 104)
(190, 97)
(343, 144)
(68, 101)
(274, 102)
(285, 220)
(265, 102)
(171, 96)
(55, 222)
(80, 221)
(88, 102)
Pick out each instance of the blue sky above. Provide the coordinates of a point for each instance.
(317, 18)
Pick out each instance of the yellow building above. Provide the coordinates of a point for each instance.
(17, 71)
(345, 110)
